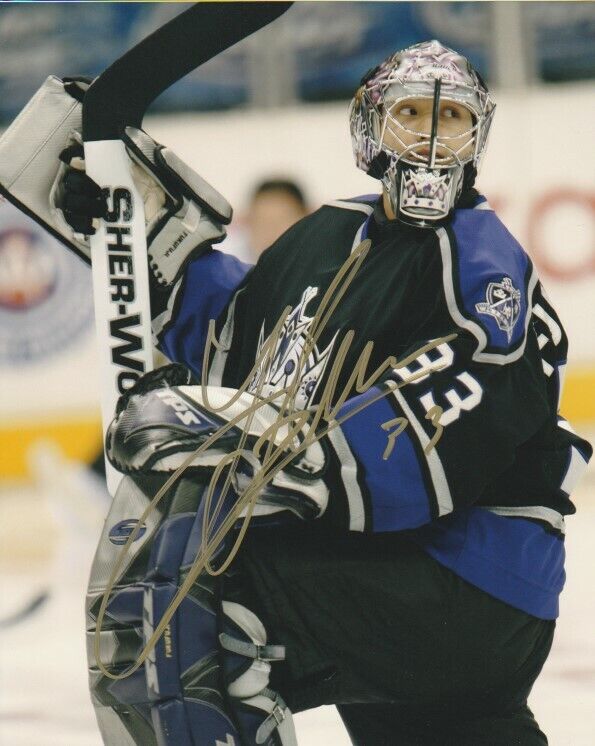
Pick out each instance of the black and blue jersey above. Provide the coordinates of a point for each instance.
(488, 500)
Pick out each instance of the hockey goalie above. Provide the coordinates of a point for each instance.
(410, 580)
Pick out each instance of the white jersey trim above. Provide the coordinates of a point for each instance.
(160, 322)
(357, 206)
(357, 513)
(358, 237)
(555, 519)
(565, 425)
(576, 468)
(225, 339)
(462, 321)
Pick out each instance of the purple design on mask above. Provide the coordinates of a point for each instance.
(425, 61)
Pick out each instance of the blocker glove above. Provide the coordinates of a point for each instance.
(42, 173)
(183, 214)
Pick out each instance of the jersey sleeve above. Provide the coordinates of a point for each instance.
(181, 323)
(472, 421)
(480, 415)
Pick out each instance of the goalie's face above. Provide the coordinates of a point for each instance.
(408, 126)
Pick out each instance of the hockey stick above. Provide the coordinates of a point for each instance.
(34, 604)
(119, 98)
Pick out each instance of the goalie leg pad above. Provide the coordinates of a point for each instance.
(206, 680)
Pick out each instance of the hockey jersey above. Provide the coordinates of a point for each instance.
(470, 350)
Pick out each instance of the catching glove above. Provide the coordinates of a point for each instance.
(159, 423)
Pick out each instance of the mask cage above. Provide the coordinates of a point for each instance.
(369, 113)
(449, 143)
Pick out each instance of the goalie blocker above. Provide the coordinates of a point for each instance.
(41, 172)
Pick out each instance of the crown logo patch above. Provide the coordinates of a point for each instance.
(503, 303)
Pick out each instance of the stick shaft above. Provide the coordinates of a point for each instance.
(123, 92)
(118, 98)
(120, 282)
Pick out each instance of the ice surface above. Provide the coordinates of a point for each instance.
(43, 684)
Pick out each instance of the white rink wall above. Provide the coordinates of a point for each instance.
(538, 175)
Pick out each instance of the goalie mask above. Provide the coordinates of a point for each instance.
(404, 132)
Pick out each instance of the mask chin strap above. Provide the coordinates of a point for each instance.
(435, 117)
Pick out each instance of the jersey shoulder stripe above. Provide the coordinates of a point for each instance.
(364, 203)
(488, 283)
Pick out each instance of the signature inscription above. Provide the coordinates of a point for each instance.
(274, 452)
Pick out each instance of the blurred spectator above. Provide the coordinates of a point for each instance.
(275, 205)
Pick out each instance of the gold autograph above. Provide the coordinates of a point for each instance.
(273, 453)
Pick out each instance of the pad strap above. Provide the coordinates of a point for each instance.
(251, 650)
(279, 712)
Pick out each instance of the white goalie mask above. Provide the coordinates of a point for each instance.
(423, 172)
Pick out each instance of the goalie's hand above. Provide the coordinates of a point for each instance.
(82, 199)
